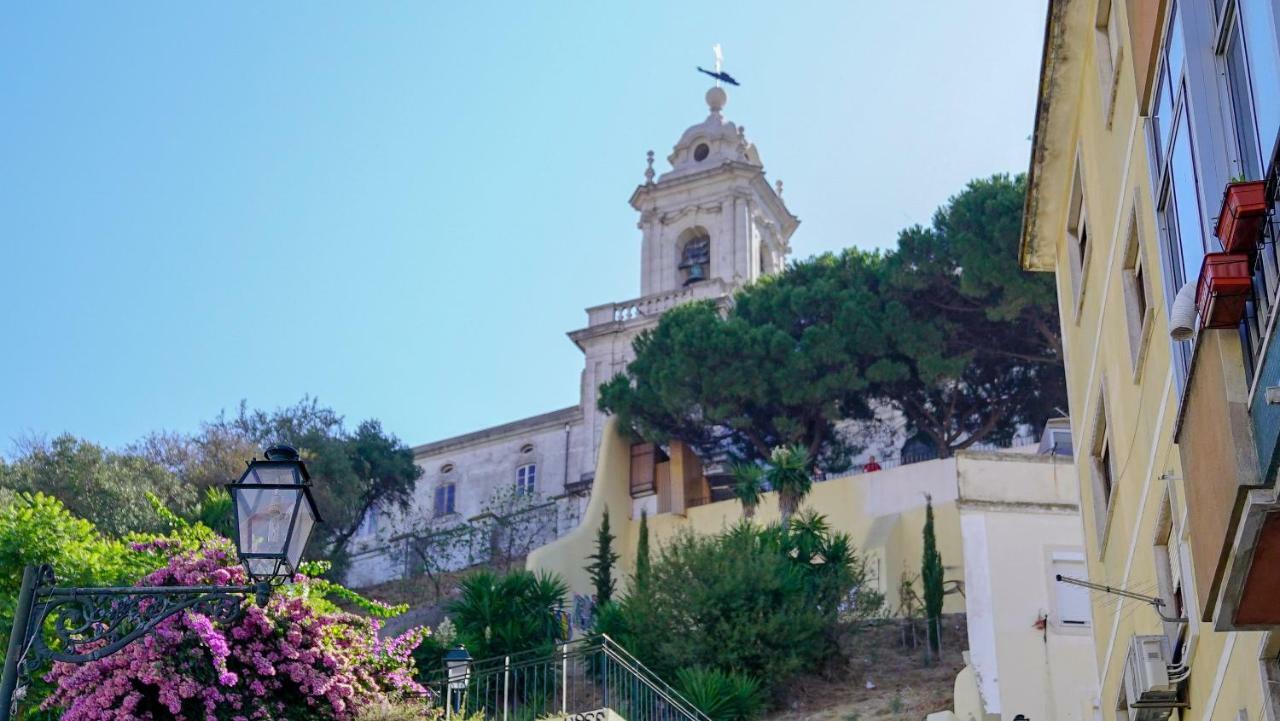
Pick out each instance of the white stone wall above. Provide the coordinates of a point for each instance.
(483, 464)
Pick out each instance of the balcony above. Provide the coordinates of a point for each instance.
(1227, 436)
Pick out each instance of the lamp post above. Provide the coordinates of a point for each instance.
(457, 664)
(275, 514)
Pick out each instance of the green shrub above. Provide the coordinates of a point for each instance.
(502, 614)
(764, 602)
(721, 695)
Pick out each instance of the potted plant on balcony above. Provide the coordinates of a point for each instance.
(1223, 289)
(1244, 210)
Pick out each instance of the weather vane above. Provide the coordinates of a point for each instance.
(719, 74)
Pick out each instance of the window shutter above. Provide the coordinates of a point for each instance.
(1073, 601)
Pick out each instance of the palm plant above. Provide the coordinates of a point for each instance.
(748, 486)
(499, 615)
(721, 695)
(788, 474)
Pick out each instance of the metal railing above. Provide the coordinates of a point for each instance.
(1261, 305)
(577, 677)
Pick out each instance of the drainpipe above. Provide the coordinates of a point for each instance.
(566, 456)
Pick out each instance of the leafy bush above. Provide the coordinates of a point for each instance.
(294, 659)
(721, 695)
(765, 602)
(498, 615)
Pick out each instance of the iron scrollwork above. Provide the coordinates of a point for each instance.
(90, 624)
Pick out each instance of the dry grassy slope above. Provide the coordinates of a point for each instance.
(905, 687)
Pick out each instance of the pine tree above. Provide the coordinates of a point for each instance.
(931, 578)
(601, 566)
(642, 553)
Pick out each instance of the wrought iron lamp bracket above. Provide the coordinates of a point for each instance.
(87, 624)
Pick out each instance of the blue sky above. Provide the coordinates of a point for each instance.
(401, 208)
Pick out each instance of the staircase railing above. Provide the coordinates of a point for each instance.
(578, 677)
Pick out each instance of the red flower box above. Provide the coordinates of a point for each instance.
(1224, 288)
(1244, 210)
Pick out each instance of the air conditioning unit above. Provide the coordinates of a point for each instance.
(1152, 686)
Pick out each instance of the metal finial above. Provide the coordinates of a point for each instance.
(648, 172)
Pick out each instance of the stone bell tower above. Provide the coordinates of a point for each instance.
(709, 225)
(713, 216)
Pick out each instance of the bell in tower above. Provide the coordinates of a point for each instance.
(695, 259)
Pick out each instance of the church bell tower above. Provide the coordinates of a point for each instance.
(712, 217)
(709, 225)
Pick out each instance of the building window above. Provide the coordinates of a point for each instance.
(445, 499)
(526, 449)
(1136, 294)
(1103, 473)
(1251, 65)
(1071, 602)
(526, 479)
(1169, 578)
(1078, 238)
(369, 524)
(1060, 443)
(446, 468)
(1108, 51)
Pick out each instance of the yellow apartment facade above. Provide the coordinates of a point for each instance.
(1155, 120)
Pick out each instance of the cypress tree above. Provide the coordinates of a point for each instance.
(931, 578)
(642, 553)
(601, 566)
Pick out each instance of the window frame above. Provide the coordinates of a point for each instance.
(527, 479)
(1136, 286)
(1102, 472)
(1056, 559)
(1077, 230)
(1109, 51)
(449, 489)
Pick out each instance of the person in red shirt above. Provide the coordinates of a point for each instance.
(871, 465)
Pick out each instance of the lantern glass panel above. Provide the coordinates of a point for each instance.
(264, 516)
(262, 568)
(301, 531)
(273, 474)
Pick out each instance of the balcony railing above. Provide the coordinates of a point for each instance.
(1262, 305)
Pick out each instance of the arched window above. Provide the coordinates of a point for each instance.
(446, 469)
(695, 257)
(526, 479)
(526, 449)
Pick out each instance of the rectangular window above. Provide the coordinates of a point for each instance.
(1071, 602)
(526, 479)
(1102, 469)
(444, 499)
(1134, 282)
(1078, 237)
(1257, 17)
(1169, 578)
(369, 524)
(1108, 56)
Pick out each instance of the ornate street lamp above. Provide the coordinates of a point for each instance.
(457, 664)
(275, 514)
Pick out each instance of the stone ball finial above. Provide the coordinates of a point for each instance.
(716, 99)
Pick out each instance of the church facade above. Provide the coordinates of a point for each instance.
(709, 225)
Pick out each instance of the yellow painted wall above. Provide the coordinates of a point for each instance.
(883, 512)
(1141, 399)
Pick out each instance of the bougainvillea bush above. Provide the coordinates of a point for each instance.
(297, 658)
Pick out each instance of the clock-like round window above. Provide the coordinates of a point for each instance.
(701, 152)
